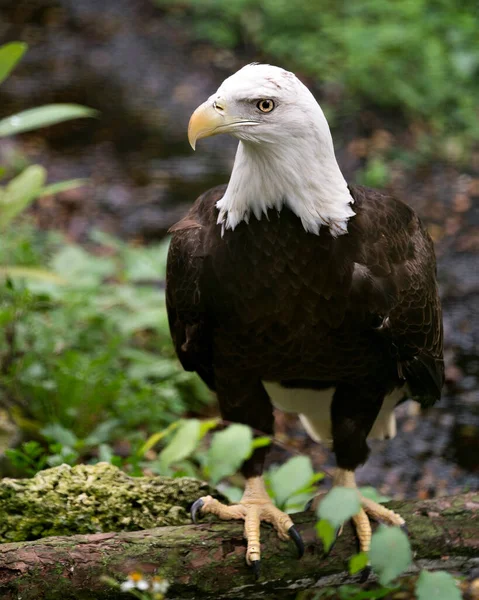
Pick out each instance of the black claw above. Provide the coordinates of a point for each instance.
(256, 566)
(336, 535)
(196, 506)
(297, 539)
(405, 529)
(365, 573)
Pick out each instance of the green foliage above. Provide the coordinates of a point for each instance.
(19, 193)
(357, 562)
(183, 454)
(62, 186)
(29, 375)
(93, 361)
(292, 484)
(182, 445)
(420, 57)
(34, 118)
(22, 190)
(28, 459)
(372, 493)
(228, 450)
(439, 585)
(339, 505)
(326, 532)
(10, 55)
(375, 174)
(390, 553)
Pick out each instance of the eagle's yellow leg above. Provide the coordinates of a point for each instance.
(255, 506)
(372, 509)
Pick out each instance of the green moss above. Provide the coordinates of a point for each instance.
(91, 499)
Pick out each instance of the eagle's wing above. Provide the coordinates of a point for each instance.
(187, 289)
(395, 278)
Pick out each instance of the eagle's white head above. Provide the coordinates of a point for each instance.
(285, 155)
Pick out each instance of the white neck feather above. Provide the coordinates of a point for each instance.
(303, 175)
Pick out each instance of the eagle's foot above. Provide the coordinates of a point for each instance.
(255, 506)
(377, 512)
(369, 508)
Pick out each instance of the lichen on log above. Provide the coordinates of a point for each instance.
(92, 499)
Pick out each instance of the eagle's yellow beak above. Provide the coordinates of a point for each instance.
(207, 120)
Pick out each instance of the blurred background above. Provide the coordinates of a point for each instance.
(87, 369)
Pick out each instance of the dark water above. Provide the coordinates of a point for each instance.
(141, 69)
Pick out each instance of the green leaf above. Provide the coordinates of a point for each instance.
(228, 450)
(376, 173)
(309, 489)
(34, 118)
(19, 193)
(260, 442)
(290, 477)
(390, 553)
(105, 453)
(207, 425)
(157, 437)
(31, 273)
(60, 434)
(439, 585)
(145, 263)
(63, 186)
(80, 268)
(146, 365)
(339, 505)
(147, 319)
(182, 445)
(357, 562)
(326, 532)
(10, 55)
(372, 494)
(233, 493)
(102, 433)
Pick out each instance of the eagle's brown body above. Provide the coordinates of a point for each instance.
(271, 302)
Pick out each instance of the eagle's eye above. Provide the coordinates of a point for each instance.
(265, 106)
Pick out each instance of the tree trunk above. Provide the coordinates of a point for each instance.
(207, 561)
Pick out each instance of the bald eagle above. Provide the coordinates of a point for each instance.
(289, 288)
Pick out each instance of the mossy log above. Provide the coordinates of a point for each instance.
(207, 561)
(93, 499)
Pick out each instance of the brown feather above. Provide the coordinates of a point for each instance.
(269, 301)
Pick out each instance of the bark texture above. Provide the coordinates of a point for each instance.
(207, 561)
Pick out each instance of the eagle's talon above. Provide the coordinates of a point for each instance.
(337, 533)
(297, 539)
(365, 573)
(256, 568)
(195, 507)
